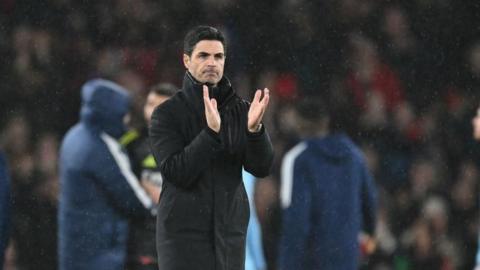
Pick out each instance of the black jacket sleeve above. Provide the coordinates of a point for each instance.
(369, 201)
(258, 154)
(180, 163)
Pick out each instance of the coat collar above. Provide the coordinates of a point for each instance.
(193, 90)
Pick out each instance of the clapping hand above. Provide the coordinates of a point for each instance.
(257, 109)
(211, 112)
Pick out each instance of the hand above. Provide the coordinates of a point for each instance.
(257, 109)
(211, 111)
(368, 244)
(152, 190)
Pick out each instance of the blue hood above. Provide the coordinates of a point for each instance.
(336, 147)
(104, 104)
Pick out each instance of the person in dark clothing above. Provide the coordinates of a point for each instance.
(327, 196)
(98, 193)
(4, 208)
(141, 243)
(201, 138)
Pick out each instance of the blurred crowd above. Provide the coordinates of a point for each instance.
(400, 76)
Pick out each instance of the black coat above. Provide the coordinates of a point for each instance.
(203, 210)
(141, 252)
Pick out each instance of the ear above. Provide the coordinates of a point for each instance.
(186, 60)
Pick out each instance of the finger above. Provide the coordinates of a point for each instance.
(266, 97)
(206, 98)
(209, 107)
(205, 92)
(214, 104)
(257, 96)
(206, 101)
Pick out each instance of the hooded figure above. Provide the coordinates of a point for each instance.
(98, 189)
(327, 195)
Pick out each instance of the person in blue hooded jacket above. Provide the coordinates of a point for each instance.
(99, 191)
(327, 195)
(4, 208)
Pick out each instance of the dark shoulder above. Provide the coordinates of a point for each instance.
(171, 107)
(355, 150)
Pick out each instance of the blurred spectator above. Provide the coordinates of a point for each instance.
(18, 147)
(403, 52)
(473, 73)
(36, 201)
(476, 136)
(436, 213)
(17, 139)
(327, 194)
(424, 178)
(98, 189)
(4, 208)
(386, 242)
(142, 253)
(463, 218)
(375, 88)
(422, 252)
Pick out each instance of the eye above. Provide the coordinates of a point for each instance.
(202, 55)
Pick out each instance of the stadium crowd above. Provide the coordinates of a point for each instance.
(401, 77)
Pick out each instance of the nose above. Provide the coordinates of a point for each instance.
(211, 61)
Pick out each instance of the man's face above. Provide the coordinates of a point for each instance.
(206, 62)
(153, 100)
(476, 126)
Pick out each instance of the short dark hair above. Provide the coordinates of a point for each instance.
(312, 109)
(163, 89)
(199, 33)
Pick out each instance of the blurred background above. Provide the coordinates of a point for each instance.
(402, 77)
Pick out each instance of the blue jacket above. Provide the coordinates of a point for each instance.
(254, 259)
(98, 189)
(4, 208)
(328, 197)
